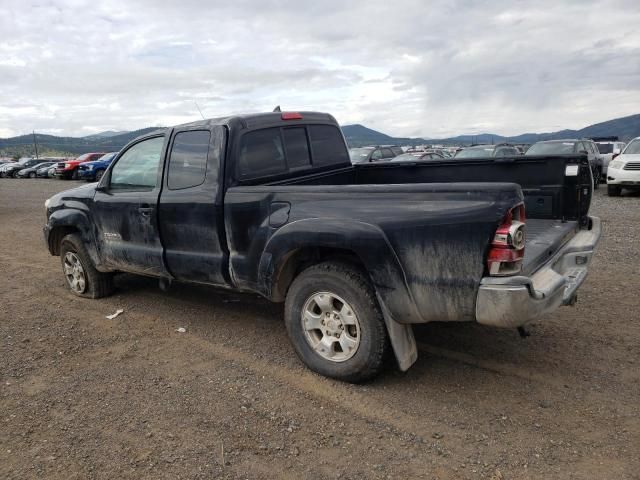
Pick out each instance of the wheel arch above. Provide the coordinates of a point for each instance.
(67, 221)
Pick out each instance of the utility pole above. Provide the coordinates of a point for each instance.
(35, 143)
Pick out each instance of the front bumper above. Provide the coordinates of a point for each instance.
(511, 302)
(623, 177)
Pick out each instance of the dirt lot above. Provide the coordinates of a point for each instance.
(82, 396)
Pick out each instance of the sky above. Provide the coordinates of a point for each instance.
(406, 68)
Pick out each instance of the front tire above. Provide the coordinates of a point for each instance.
(99, 175)
(79, 272)
(334, 322)
(614, 190)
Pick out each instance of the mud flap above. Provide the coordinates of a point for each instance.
(402, 340)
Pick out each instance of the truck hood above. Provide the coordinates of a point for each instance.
(83, 194)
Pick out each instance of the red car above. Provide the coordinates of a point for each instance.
(69, 168)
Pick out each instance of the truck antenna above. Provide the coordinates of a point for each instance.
(199, 109)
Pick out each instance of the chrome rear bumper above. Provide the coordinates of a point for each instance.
(514, 301)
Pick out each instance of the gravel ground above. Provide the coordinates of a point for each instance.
(82, 396)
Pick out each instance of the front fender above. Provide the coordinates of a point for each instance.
(67, 220)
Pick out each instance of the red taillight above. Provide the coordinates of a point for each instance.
(291, 116)
(507, 248)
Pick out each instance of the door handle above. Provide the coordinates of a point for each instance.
(145, 210)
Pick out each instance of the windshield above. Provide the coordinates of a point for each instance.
(359, 155)
(107, 157)
(551, 148)
(481, 152)
(605, 147)
(83, 157)
(633, 148)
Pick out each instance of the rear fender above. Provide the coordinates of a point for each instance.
(371, 246)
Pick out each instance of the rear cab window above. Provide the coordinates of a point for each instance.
(278, 151)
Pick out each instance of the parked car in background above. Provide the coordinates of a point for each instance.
(12, 170)
(5, 167)
(93, 171)
(572, 147)
(69, 168)
(31, 172)
(374, 154)
(608, 151)
(418, 156)
(43, 171)
(484, 151)
(624, 170)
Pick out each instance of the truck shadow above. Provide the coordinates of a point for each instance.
(444, 348)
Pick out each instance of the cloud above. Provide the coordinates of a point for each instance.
(406, 68)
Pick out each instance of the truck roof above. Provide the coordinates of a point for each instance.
(256, 120)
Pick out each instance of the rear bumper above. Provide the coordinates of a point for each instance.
(514, 301)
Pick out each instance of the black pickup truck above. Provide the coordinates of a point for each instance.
(270, 203)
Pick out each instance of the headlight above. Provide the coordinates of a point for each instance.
(47, 202)
(616, 164)
(67, 165)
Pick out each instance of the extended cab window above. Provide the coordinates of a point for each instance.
(188, 161)
(261, 154)
(137, 168)
(327, 145)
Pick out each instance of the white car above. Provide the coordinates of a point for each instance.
(624, 171)
(608, 151)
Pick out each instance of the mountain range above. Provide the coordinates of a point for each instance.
(356, 135)
(625, 128)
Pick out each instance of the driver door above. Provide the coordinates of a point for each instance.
(125, 209)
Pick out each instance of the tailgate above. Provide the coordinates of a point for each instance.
(544, 239)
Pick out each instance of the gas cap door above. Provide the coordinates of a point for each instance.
(279, 214)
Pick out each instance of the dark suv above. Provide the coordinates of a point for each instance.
(571, 147)
(374, 154)
(484, 151)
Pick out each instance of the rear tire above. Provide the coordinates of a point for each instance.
(614, 190)
(343, 334)
(79, 272)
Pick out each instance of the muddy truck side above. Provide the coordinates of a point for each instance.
(270, 203)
